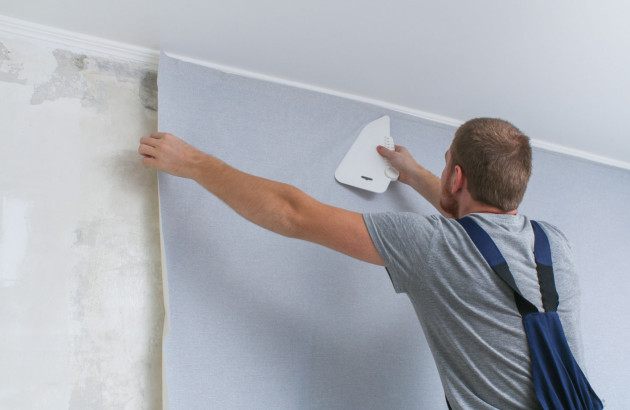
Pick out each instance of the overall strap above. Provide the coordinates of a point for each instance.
(544, 268)
(495, 259)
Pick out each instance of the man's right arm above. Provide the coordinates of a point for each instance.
(416, 176)
(272, 205)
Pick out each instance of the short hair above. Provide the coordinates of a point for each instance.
(496, 158)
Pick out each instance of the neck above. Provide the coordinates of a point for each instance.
(475, 207)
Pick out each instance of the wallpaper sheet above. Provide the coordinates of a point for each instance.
(261, 321)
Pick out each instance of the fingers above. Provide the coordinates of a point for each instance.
(384, 152)
(147, 150)
(387, 153)
(148, 142)
(164, 152)
(149, 162)
(153, 139)
(149, 145)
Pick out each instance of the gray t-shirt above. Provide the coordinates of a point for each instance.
(467, 313)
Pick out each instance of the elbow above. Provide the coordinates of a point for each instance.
(287, 222)
(292, 218)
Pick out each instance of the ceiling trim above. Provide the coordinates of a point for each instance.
(79, 42)
(123, 51)
(536, 143)
(584, 155)
(278, 80)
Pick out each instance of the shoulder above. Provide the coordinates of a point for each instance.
(551, 229)
(404, 229)
(407, 218)
(565, 272)
(411, 232)
(405, 242)
(556, 236)
(406, 223)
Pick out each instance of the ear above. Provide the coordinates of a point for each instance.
(459, 180)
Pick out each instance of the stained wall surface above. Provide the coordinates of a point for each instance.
(81, 305)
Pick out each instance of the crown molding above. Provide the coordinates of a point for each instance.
(536, 143)
(278, 80)
(78, 42)
(579, 154)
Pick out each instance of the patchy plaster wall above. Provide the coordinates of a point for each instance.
(81, 306)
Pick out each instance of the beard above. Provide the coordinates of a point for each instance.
(448, 202)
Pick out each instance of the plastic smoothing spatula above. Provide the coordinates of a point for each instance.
(363, 167)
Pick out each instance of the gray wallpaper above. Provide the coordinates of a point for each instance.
(261, 321)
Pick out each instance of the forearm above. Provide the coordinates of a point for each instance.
(414, 175)
(269, 204)
(427, 185)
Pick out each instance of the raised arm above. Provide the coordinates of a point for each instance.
(414, 175)
(275, 206)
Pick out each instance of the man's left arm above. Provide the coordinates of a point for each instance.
(275, 206)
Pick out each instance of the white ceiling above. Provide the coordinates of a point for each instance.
(559, 70)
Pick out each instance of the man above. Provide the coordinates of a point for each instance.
(467, 313)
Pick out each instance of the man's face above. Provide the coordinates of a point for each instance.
(447, 199)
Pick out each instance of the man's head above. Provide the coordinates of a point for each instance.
(495, 158)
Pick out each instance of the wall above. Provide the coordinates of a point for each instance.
(81, 305)
(286, 324)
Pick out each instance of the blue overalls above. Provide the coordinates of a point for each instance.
(558, 380)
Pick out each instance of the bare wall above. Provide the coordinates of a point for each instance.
(81, 306)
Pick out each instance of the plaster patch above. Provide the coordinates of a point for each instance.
(66, 81)
(9, 69)
(87, 78)
(14, 231)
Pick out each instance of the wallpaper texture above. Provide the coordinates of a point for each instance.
(262, 321)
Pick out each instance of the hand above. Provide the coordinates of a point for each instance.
(165, 152)
(402, 160)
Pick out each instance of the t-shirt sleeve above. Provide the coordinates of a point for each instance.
(403, 240)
